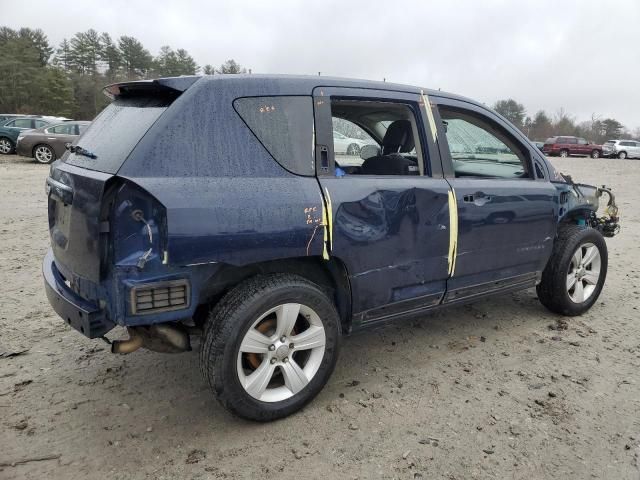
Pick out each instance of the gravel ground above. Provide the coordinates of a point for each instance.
(497, 389)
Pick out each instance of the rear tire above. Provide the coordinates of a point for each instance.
(270, 345)
(6, 146)
(575, 273)
(44, 154)
(564, 153)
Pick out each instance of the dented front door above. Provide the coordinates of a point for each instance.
(390, 231)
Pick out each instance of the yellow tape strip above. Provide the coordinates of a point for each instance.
(430, 117)
(327, 221)
(453, 231)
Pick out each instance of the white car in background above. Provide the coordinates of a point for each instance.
(348, 145)
(621, 149)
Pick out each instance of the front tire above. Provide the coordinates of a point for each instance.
(575, 273)
(564, 153)
(270, 345)
(622, 155)
(595, 154)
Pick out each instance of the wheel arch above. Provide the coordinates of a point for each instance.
(330, 274)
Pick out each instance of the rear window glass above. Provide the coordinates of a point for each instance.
(284, 125)
(116, 131)
(65, 128)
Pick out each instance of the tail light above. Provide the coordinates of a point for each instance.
(138, 228)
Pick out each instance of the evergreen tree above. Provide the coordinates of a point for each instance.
(231, 66)
(136, 60)
(86, 51)
(110, 55)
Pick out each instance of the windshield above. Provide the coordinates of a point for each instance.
(116, 131)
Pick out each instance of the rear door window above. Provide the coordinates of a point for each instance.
(117, 130)
(21, 123)
(284, 126)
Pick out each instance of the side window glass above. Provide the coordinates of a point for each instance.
(22, 123)
(375, 138)
(481, 148)
(348, 142)
(10, 124)
(81, 129)
(582, 141)
(284, 125)
(62, 129)
(40, 123)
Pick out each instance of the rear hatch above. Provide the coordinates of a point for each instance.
(79, 184)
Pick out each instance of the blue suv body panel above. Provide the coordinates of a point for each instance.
(198, 198)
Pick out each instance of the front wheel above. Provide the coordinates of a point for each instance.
(622, 155)
(595, 154)
(564, 153)
(575, 274)
(270, 345)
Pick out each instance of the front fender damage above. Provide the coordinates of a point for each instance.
(580, 203)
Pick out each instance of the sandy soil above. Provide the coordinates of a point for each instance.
(489, 390)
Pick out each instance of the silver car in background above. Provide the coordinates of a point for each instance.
(621, 148)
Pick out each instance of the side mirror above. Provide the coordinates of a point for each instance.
(369, 151)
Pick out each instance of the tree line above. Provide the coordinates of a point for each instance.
(542, 125)
(67, 80)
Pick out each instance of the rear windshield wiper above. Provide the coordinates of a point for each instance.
(78, 150)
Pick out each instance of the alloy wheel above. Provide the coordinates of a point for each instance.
(584, 273)
(281, 352)
(5, 146)
(43, 154)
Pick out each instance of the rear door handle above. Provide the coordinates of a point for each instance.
(478, 198)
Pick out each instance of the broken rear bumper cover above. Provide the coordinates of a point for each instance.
(84, 316)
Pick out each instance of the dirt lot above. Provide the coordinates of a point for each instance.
(497, 389)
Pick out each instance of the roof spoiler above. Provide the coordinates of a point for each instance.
(171, 85)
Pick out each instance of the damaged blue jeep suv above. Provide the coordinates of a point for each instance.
(218, 206)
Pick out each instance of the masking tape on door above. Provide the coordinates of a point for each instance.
(453, 232)
(430, 117)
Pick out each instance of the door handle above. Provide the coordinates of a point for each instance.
(478, 198)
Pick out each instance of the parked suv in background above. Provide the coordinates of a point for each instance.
(566, 146)
(621, 148)
(194, 205)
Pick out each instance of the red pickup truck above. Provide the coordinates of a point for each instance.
(565, 146)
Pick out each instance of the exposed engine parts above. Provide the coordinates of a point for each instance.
(607, 223)
(581, 204)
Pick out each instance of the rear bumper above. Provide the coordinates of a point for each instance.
(84, 316)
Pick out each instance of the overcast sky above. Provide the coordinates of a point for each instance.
(583, 56)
